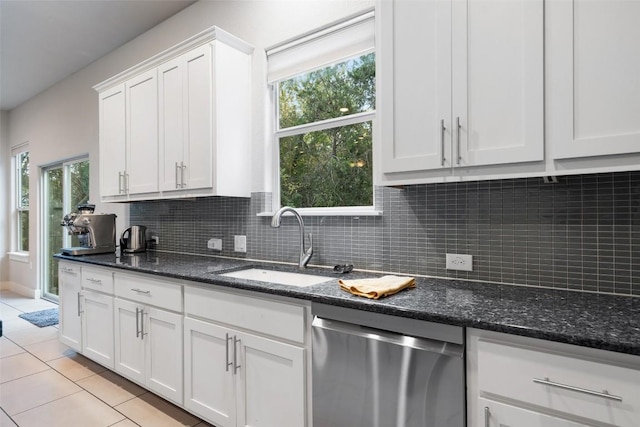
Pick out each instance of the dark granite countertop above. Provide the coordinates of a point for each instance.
(591, 320)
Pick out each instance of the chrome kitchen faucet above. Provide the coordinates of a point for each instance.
(305, 256)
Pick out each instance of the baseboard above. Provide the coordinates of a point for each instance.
(21, 289)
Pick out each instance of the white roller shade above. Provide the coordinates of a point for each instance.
(328, 45)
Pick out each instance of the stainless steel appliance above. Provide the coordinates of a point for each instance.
(135, 240)
(376, 370)
(96, 232)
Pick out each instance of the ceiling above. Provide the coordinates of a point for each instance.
(44, 41)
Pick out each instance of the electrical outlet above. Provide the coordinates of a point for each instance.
(459, 262)
(215, 244)
(240, 243)
(155, 240)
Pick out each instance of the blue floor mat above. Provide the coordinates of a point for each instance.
(42, 318)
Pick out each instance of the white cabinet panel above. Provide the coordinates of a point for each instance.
(273, 380)
(162, 333)
(209, 385)
(113, 146)
(498, 91)
(69, 285)
(142, 133)
(415, 85)
(129, 347)
(171, 136)
(97, 327)
(593, 64)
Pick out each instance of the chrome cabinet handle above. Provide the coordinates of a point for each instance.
(604, 393)
(142, 332)
(487, 415)
(235, 354)
(442, 129)
(227, 339)
(137, 323)
(92, 280)
(182, 168)
(177, 182)
(458, 157)
(140, 291)
(126, 183)
(79, 310)
(120, 186)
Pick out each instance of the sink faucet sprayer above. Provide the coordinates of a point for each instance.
(305, 256)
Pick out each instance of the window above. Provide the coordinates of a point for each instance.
(324, 95)
(21, 161)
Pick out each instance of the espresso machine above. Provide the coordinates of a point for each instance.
(96, 232)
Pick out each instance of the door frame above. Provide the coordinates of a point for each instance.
(42, 217)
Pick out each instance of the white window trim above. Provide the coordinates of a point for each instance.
(17, 254)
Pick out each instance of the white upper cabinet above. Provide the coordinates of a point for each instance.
(180, 123)
(498, 88)
(142, 133)
(461, 84)
(593, 77)
(414, 90)
(113, 155)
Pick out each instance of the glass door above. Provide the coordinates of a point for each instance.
(65, 186)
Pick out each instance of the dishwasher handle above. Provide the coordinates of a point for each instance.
(425, 344)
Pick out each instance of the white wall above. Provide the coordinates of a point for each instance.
(62, 122)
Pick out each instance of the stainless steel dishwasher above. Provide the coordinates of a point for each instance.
(377, 370)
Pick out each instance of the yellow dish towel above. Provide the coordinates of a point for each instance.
(377, 288)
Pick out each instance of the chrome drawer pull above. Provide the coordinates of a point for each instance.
(487, 416)
(604, 393)
(140, 291)
(92, 280)
(227, 339)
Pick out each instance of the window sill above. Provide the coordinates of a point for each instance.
(19, 256)
(354, 211)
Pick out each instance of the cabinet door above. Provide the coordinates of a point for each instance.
(199, 119)
(272, 383)
(171, 137)
(113, 146)
(494, 414)
(414, 91)
(162, 334)
(97, 327)
(142, 133)
(208, 379)
(69, 284)
(498, 91)
(129, 347)
(593, 64)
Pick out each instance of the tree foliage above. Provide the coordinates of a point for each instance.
(331, 167)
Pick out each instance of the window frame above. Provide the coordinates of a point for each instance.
(336, 122)
(18, 207)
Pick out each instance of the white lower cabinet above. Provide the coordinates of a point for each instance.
(148, 347)
(69, 287)
(239, 377)
(530, 382)
(97, 327)
(234, 378)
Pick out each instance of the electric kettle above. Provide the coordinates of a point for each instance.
(136, 240)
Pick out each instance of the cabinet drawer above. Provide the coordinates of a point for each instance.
(560, 382)
(97, 279)
(149, 291)
(264, 316)
(69, 268)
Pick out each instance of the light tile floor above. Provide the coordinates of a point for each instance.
(44, 382)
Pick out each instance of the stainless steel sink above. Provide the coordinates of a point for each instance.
(280, 277)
